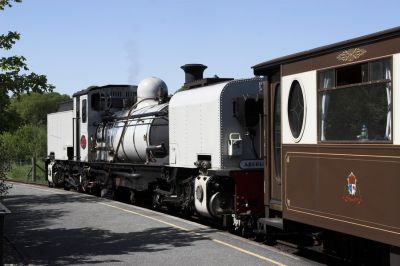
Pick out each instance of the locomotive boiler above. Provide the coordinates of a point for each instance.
(138, 134)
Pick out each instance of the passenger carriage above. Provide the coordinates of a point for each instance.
(333, 141)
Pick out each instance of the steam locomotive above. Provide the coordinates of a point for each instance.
(310, 144)
(197, 151)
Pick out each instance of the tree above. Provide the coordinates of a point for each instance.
(5, 116)
(4, 167)
(14, 76)
(5, 3)
(33, 108)
(26, 142)
(15, 79)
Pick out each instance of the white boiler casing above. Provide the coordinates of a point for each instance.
(141, 132)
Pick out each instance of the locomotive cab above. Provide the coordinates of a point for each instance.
(71, 131)
(91, 106)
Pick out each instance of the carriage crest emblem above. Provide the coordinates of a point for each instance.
(352, 192)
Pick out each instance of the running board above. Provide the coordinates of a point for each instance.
(264, 223)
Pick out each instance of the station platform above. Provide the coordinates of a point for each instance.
(50, 226)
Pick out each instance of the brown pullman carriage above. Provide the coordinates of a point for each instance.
(332, 158)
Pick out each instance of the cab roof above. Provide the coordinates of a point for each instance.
(92, 88)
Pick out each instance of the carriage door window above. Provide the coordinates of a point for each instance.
(355, 102)
(277, 131)
(84, 111)
(274, 144)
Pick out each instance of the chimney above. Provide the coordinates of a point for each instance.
(193, 72)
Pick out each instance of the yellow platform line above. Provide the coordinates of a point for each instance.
(195, 233)
(33, 186)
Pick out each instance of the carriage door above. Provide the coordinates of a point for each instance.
(275, 147)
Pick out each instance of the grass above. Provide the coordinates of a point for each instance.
(22, 172)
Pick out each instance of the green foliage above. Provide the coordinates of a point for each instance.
(4, 101)
(29, 140)
(33, 108)
(19, 172)
(5, 3)
(9, 119)
(8, 40)
(4, 161)
(14, 76)
(6, 43)
(26, 142)
(4, 167)
(13, 70)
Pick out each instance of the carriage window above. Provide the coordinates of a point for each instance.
(356, 104)
(296, 109)
(351, 74)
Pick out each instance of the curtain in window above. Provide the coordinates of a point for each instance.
(327, 82)
(388, 75)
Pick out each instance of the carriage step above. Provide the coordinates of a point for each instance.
(264, 223)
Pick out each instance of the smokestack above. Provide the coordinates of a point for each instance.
(193, 72)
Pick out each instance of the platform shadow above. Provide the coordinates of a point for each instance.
(30, 228)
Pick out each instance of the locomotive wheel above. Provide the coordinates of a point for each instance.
(83, 187)
(107, 193)
(244, 231)
(58, 179)
(156, 201)
(80, 189)
(172, 209)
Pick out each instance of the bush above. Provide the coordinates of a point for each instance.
(4, 167)
(24, 143)
(33, 108)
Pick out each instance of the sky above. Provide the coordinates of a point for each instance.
(77, 44)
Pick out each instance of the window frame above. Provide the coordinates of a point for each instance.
(369, 82)
(303, 125)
